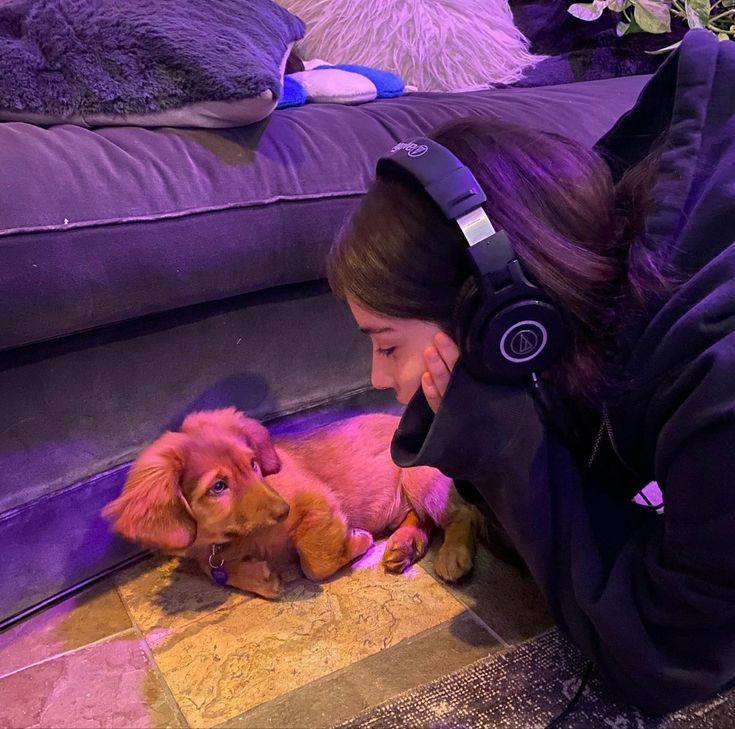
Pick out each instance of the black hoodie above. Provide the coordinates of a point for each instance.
(650, 598)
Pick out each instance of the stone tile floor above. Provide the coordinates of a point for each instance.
(161, 646)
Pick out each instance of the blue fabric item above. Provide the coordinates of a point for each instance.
(388, 84)
(294, 94)
(67, 57)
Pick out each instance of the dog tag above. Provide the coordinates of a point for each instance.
(219, 575)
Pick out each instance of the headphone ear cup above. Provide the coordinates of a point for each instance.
(508, 343)
(464, 306)
(471, 314)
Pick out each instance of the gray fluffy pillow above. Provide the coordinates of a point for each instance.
(206, 62)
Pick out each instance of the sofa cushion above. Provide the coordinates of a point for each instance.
(101, 226)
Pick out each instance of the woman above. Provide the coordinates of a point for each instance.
(633, 245)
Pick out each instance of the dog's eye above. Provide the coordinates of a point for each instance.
(255, 466)
(218, 488)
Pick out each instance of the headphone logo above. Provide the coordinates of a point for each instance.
(523, 341)
(412, 149)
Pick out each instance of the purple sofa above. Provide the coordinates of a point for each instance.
(146, 273)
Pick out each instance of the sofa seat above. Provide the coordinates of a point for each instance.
(102, 226)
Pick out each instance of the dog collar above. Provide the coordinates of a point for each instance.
(217, 571)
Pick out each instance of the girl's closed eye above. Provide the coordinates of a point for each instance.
(385, 351)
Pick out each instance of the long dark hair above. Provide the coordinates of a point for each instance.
(577, 233)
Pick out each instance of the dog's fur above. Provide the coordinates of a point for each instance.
(318, 498)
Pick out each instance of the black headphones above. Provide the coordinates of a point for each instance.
(514, 331)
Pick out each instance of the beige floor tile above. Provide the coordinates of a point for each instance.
(502, 594)
(231, 660)
(165, 595)
(109, 685)
(375, 679)
(85, 618)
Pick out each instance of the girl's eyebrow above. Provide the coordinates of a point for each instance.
(376, 330)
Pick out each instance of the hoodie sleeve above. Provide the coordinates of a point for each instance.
(650, 599)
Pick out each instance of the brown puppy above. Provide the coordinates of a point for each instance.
(221, 492)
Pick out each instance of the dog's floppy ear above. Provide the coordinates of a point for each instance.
(259, 439)
(236, 422)
(151, 508)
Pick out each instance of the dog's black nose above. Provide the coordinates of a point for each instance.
(282, 512)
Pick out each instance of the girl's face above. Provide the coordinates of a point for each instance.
(398, 350)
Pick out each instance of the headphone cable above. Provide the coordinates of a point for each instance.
(556, 722)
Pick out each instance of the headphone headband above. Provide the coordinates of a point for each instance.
(447, 181)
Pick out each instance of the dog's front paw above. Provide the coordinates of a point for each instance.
(405, 546)
(272, 586)
(358, 542)
(453, 561)
(256, 576)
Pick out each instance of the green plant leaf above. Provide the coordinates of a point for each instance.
(664, 50)
(697, 12)
(588, 11)
(723, 36)
(625, 27)
(653, 16)
(728, 3)
(617, 5)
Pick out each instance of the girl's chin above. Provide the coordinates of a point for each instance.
(401, 400)
(404, 398)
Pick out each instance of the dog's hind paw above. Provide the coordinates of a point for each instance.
(406, 546)
(453, 561)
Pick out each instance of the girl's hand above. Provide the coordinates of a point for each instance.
(439, 359)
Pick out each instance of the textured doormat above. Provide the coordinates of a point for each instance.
(526, 688)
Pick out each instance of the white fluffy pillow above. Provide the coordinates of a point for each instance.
(435, 45)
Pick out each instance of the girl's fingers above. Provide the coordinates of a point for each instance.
(439, 360)
(447, 349)
(430, 392)
(437, 368)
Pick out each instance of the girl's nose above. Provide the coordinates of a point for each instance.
(380, 379)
